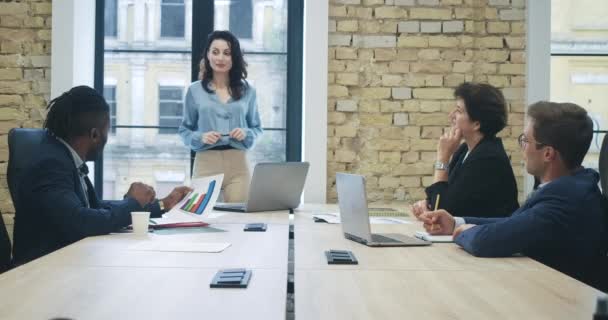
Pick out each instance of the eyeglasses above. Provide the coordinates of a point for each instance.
(523, 142)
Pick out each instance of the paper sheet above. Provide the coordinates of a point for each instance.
(334, 218)
(426, 236)
(175, 246)
(198, 203)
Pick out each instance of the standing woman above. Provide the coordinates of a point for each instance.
(221, 120)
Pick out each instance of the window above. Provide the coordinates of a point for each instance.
(170, 109)
(109, 93)
(151, 77)
(172, 20)
(579, 62)
(110, 21)
(241, 18)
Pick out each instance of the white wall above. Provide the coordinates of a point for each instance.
(314, 140)
(73, 45)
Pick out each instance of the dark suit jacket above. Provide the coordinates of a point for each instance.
(482, 186)
(563, 225)
(51, 209)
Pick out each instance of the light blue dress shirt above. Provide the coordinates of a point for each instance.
(204, 112)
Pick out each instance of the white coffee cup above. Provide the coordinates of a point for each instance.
(140, 222)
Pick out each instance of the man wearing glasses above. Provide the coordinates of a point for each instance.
(563, 223)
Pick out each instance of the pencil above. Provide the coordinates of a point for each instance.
(436, 207)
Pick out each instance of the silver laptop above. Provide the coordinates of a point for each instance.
(274, 186)
(355, 218)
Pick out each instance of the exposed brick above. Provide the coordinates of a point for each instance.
(374, 41)
(430, 27)
(385, 54)
(430, 13)
(433, 93)
(513, 68)
(413, 41)
(431, 67)
(347, 78)
(11, 74)
(511, 14)
(42, 8)
(404, 2)
(12, 9)
(489, 42)
(453, 26)
(402, 93)
(409, 27)
(346, 53)
(499, 2)
(429, 54)
(348, 26)
(339, 40)
(337, 11)
(375, 93)
(443, 41)
(389, 13)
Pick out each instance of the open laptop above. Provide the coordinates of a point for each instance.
(352, 200)
(274, 186)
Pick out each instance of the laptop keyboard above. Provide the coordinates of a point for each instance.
(383, 239)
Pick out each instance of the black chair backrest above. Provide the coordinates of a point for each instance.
(603, 166)
(22, 143)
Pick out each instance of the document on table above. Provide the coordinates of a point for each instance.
(175, 246)
(334, 218)
(426, 236)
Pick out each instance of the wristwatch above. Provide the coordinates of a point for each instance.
(161, 205)
(440, 165)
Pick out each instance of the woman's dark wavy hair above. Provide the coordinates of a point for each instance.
(237, 73)
(76, 112)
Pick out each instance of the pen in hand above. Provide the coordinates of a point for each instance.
(434, 226)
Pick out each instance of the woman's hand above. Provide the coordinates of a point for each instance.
(237, 134)
(211, 137)
(448, 144)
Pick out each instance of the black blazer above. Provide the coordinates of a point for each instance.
(482, 186)
(51, 212)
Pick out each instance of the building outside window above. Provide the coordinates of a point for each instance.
(579, 62)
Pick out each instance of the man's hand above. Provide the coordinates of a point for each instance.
(142, 193)
(419, 208)
(462, 228)
(438, 222)
(175, 196)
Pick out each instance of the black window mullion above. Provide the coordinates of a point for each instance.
(202, 25)
(98, 81)
(295, 30)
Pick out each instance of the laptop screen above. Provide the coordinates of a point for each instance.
(352, 200)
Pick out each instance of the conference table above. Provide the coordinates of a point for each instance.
(441, 281)
(104, 278)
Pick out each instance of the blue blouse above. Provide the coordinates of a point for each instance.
(204, 112)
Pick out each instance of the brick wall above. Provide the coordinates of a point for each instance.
(393, 65)
(25, 60)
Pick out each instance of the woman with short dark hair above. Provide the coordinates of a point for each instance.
(221, 120)
(474, 178)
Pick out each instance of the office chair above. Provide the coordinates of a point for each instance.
(22, 143)
(601, 281)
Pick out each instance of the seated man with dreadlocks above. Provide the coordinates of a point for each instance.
(57, 202)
